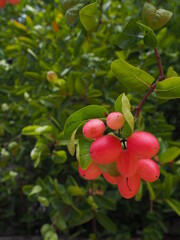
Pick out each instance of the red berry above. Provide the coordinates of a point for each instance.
(128, 187)
(143, 144)
(127, 163)
(110, 179)
(2, 3)
(14, 2)
(94, 128)
(91, 172)
(148, 170)
(105, 149)
(115, 120)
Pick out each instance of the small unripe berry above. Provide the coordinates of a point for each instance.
(143, 144)
(127, 163)
(148, 170)
(128, 187)
(110, 179)
(105, 149)
(94, 128)
(115, 120)
(91, 172)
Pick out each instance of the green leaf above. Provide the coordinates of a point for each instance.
(44, 201)
(130, 35)
(122, 105)
(151, 191)
(36, 189)
(59, 157)
(82, 153)
(154, 18)
(105, 202)
(36, 130)
(71, 9)
(169, 155)
(33, 75)
(81, 116)
(88, 16)
(106, 222)
(168, 88)
(130, 76)
(27, 189)
(174, 204)
(75, 191)
(110, 169)
(168, 185)
(150, 38)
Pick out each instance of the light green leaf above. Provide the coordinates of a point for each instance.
(44, 201)
(75, 191)
(82, 153)
(36, 189)
(88, 16)
(169, 155)
(130, 35)
(150, 38)
(168, 185)
(174, 204)
(110, 169)
(106, 222)
(154, 18)
(122, 105)
(168, 88)
(151, 191)
(81, 116)
(130, 76)
(59, 157)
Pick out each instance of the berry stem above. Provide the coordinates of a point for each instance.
(153, 86)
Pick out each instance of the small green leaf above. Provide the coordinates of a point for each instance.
(169, 155)
(105, 202)
(88, 16)
(36, 189)
(82, 153)
(130, 35)
(130, 76)
(168, 185)
(33, 75)
(44, 201)
(174, 204)
(75, 191)
(122, 105)
(106, 222)
(59, 157)
(150, 38)
(151, 191)
(168, 88)
(154, 18)
(110, 169)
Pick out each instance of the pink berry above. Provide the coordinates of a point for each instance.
(148, 170)
(143, 144)
(115, 120)
(91, 172)
(105, 149)
(110, 179)
(94, 128)
(128, 187)
(127, 163)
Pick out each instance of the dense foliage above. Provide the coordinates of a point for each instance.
(52, 65)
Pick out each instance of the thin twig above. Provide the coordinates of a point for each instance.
(158, 58)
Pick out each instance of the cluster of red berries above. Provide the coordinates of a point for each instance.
(133, 161)
(4, 2)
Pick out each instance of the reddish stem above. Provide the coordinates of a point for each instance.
(152, 87)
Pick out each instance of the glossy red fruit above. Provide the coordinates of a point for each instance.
(115, 120)
(14, 2)
(110, 179)
(91, 172)
(105, 149)
(127, 163)
(128, 187)
(94, 128)
(148, 170)
(2, 3)
(143, 144)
